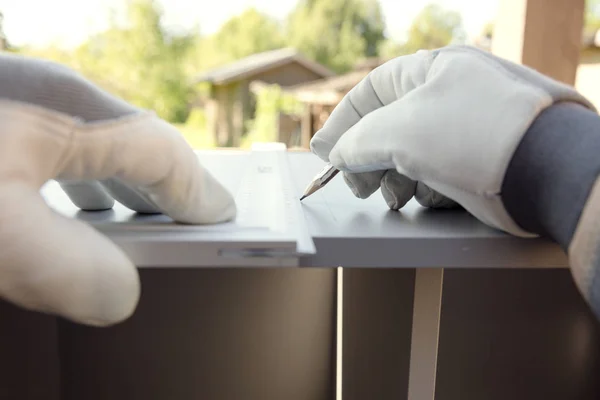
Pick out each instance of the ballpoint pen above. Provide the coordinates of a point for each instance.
(320, 180)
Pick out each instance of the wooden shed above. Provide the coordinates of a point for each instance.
(320, 97)
(230, 102)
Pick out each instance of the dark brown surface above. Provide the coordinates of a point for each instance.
(377, 323)
(211, 335)
(268, 334)
(516, 334)
(29, 365)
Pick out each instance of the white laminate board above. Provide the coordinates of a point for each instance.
(269, 230)
(353, 232)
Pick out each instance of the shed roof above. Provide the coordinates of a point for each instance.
(327, 90)
(258, 63)
(330, 90)
(339, 83)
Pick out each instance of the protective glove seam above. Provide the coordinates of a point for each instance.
(58, 125)
(30, 112)
(355, 109)
(429, 60)
(68, 151)
(369, 76)
(111, 127)
(75, 126)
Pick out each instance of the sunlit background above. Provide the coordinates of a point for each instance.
(231, 72)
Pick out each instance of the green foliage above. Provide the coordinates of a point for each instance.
(391, 49)
(140, 62)
(51, 52)
(271, 101)
(336, 33)
(197, 138)
(4, 44)
(245, 34)
(3, 41)
(488, 30)
(204, 54)
(592, 14)
(433, 27)
(248, 33)
(196, 119)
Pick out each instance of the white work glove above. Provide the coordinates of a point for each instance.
(57, 125)
(438, 125)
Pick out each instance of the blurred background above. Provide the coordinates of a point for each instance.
(231, 72)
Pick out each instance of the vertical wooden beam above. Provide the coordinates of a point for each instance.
(543, 34)
(376, 330)
(238, 112)
(306, 126)
(212, 114)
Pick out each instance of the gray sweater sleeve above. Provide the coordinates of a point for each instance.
(552, 172)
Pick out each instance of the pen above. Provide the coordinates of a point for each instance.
(320, 180)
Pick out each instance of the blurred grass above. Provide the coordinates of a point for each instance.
(198, 138)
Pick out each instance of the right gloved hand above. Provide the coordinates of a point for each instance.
(441, 125)
(58, 125)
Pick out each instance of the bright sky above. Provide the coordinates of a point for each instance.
(69, 22)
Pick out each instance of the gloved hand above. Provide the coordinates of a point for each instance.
(438, 125)
(57, 125)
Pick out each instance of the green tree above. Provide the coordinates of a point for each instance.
(592, 14)
(336, 33)
(488, 30)
(3, 41)
(141, 61)
(432, 28)
(248, 33)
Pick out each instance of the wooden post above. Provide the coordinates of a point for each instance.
(306, 126)
(543, 34)
(237, 120)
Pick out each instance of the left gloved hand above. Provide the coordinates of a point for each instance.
(58, 125)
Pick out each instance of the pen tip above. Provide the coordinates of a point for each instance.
(302, 198)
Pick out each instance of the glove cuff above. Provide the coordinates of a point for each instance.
(482, 141)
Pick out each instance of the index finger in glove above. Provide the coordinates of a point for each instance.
(379, 88)
(382, 86)
(150, 157)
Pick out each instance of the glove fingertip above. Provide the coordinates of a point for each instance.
(321, 148)
(208, 202)
(363, 185)
(428, 197)
(397, 189)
